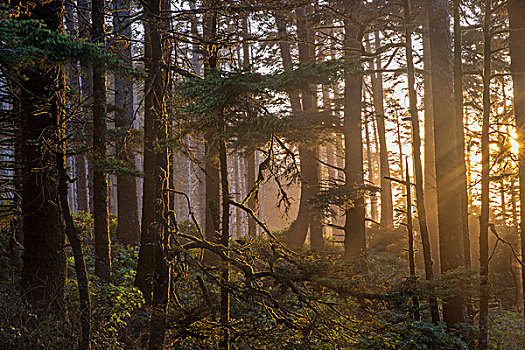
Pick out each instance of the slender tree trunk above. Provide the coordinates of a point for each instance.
(41, 101)
(458, 102)
(387, 211)
(448, 161)
(309, 172)
(249, 154)
(224, 344)
(410, 231)
(485, 189)
(73, 235)
(212, 166)
(418, 168)
(516, 11)
(128, 229)
(370, 164)
(430, 156)
(100, 185)
(354, 227)
(86, 91)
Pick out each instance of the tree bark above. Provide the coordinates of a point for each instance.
(485, 189)
(387, 211)
(309, 172)
(458, 102)
(516, 11)
(354, 227)
(128, 229)
(430, 186)
(410, 231)
(73, 235)
(100, 185)
(418, 168)
(299, 228)
(86, 91)
(42, 101)
(448, 161)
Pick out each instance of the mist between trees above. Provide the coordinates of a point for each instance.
(268, 174)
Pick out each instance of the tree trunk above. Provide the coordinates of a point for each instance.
(448, 161)
(387, 211)
(86, 91)
(430, 186)
(354, 227)
(299, 228)
(42, 101)
(485, 189)
(309, 172)
(458, 102)
(73, 236)
(516, 11)
(212, 166)
(128, 229)
(249, 154)
(100, 185)
(418, 168)
(224, 344)
(410, 231)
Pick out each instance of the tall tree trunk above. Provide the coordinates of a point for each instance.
(42, 101)
(299, 228)
(458, 102)
(418, 168)
(370, 165)
(73, 235)
(212, 166)
(249, 154)
(86, 91)
(100, 184)
(410, 231)
(516, 11)
(448, 161)
(151, 271)
(309, 172)
(224, 344)
(485, 189)
(128, 229)
(430, 186)
(387, 209)
(354, 227)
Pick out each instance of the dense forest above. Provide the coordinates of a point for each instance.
(240, 174)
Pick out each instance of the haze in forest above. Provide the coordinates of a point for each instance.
(204, 174)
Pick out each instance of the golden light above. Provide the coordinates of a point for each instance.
(513, 139)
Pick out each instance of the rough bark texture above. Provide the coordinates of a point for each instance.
(448, 160)
(355, 236)
(41, 101)
(516, 10)
(100, 184)
(128, 229)
(152, 272)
